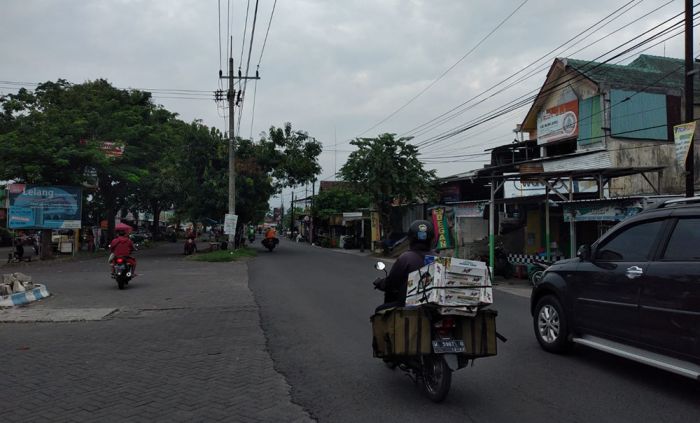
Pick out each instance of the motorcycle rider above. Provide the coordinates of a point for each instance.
(121, 246)
(420, 237)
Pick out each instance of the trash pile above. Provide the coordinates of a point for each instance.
(13, 283)
(453, 285)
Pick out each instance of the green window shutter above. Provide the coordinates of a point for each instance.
(590, 122)
(638, 115)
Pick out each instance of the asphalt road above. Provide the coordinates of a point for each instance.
(315, 306)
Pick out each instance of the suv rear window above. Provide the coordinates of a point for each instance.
(684, 244)
(632, 244)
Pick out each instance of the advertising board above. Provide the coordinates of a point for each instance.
(44, 207)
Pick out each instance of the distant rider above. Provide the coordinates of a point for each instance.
(420, 237)
(121, 246)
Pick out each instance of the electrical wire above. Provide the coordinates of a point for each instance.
(522, 101)
(247, 68)
(267, 32)
(245, 30)
(435, 81)
(455, 112)
(592, 62)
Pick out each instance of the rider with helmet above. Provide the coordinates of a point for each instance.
(121, 246)
(420, 237)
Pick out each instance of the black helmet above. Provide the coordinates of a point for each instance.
(421, 232)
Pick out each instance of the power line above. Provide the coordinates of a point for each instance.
(546, 66)
(435, 81)
(269, 23)
(219, 34)
(439, 120)
(245, 30)
(247, 68)
(522, 101)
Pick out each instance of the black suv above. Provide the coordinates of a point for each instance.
(635, 292)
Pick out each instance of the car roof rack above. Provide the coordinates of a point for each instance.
(681, 201)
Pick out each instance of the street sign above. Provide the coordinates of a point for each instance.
(683, 135)
(230, 222)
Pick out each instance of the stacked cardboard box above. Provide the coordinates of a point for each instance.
(457, 286)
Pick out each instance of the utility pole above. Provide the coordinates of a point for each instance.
(232, 101)
(292, 218)
(311, 214)
(689, 97)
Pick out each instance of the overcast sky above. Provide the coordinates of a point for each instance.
(332, 68)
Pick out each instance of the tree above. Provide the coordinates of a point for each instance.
(293, 156)
(389, 171)
(338, 200)
(57, 135)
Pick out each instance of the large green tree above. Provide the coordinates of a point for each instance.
(389, 171)
(58, 134)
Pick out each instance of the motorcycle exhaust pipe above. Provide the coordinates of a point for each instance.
(128, 275)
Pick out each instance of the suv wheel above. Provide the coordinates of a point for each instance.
(551, 327)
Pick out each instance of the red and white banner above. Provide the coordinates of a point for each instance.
(558, 123)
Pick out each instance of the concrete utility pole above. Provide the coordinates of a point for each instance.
(230, 96)
(232, 101)
(689, 97)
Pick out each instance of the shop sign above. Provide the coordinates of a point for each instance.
(44, 207)
(450, 193)
(683, 135)
(558, 123)
(442, 229)
(470, 210)
(601, 213)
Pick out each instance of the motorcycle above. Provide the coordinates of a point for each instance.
(190, 246)
(123, 271)
(270, 243)
(537, 269)
(429, 346)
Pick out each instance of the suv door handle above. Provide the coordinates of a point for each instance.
(634, 272)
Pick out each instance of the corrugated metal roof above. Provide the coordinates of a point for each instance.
(597, 160)
(645, 71)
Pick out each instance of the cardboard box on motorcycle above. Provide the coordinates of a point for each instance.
(450, 282)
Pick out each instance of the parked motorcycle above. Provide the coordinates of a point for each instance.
(429, 346)
(536, 270)
(190, 246)
(270, 243)
(122, 271)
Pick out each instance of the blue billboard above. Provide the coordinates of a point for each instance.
(44, 207)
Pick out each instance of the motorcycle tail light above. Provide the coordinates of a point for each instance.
(120, 260)
(446, 323)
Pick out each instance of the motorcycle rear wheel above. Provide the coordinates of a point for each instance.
(436, 378)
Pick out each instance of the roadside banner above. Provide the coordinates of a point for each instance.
(683, 135)
(230, 222)
(44, 207)
(442, 229)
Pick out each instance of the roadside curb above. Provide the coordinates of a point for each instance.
(27, 297)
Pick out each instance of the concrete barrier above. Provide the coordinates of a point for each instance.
(20, 298)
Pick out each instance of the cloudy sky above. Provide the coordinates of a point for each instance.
(337, 69)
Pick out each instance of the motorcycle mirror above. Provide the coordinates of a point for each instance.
(380, 265)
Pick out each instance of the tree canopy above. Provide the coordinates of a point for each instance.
(130, 154)
(389, 171)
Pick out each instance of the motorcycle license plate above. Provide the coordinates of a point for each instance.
(444, 346)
